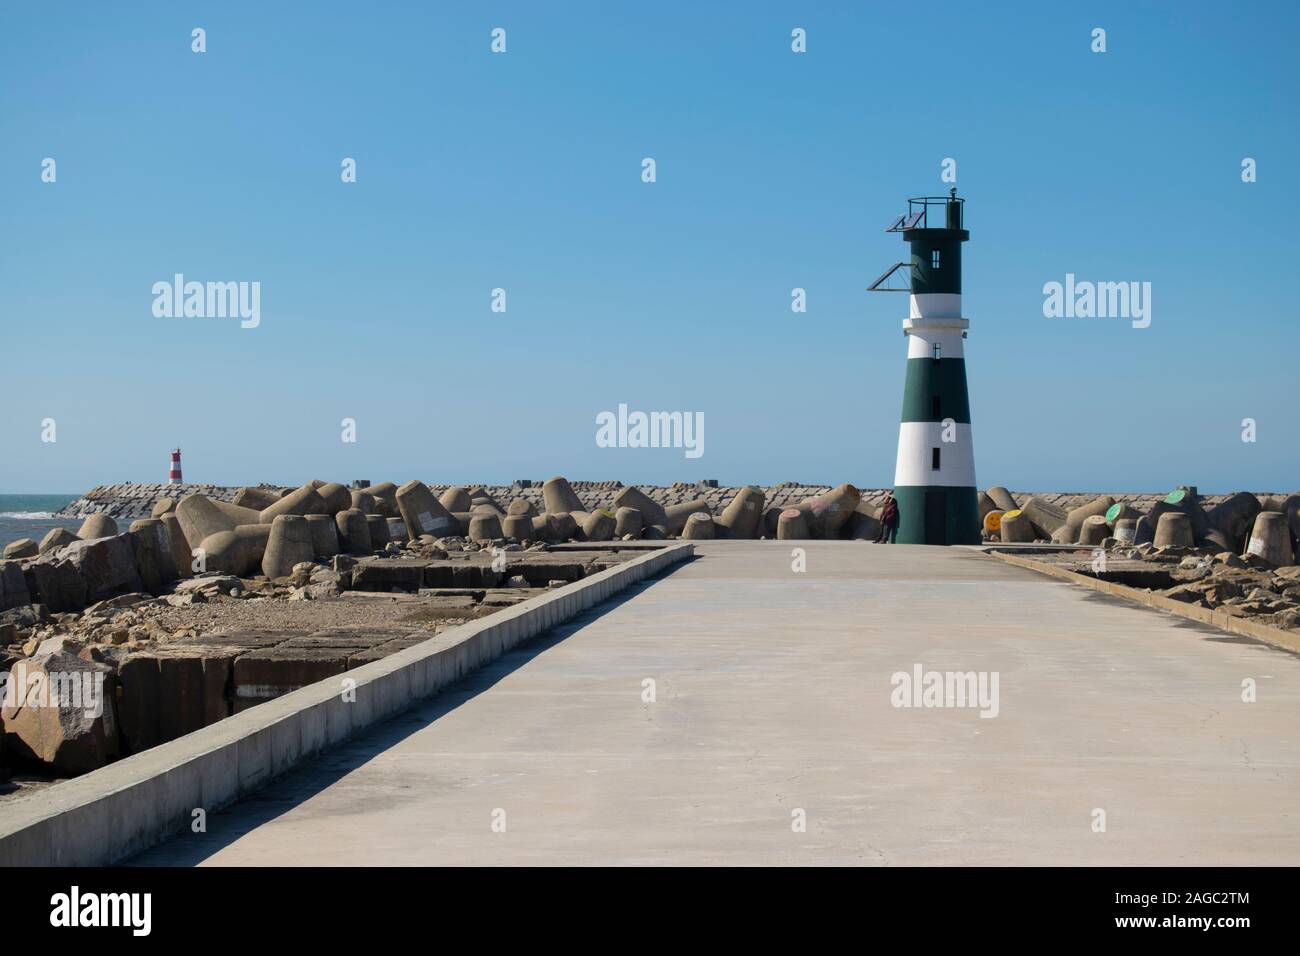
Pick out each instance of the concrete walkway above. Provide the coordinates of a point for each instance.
(773, 696)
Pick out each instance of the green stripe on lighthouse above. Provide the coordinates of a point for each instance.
(929, 380)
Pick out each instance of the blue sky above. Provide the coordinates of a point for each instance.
(522, 171)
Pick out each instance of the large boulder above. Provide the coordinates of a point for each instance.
(56, 584)
(13, 586)
(153, 554)
(60, 712)
(22, 548)
(107, 565)
(57, 538)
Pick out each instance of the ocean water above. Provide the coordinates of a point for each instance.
(32, 516)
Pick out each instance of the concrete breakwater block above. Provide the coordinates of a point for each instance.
(652, 512)
(599, 525)
(422, 512)
(1016, 528)
(1094, 530)
(627, 521)
(699, 527)
(324, 535)
(485, 526)
(385, 495)
(153, 554)
(239, 551)
(169, 691)
(164, 506)
(299, 502)
(1174, 529)
(743, 516)
(97, 526)
(255, 499)
(378, 526)
(289, 543)
(1044, 516)
(1233, 519)
(559, 496)
(201, 517)
(336, 497)
(53, 582)
(353, 532)
(831, 510)
(1002, 499)
(792, 525)
(519, 527)
(1076, 517)
(455, 499)
(677, 515)
(1270, 539)
(182, 557)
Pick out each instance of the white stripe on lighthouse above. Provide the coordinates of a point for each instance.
(935, 305)
(916, 444)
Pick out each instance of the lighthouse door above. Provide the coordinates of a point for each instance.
(936, 517)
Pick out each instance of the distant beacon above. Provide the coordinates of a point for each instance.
(934, 479)
(174, 476)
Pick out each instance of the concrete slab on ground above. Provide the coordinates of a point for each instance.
(773, 696)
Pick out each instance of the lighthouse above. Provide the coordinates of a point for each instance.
(174, 474)
(934, 478)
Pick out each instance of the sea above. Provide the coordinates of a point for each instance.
(32, 516)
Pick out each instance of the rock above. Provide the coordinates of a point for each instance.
(182, 557)
(22, 548)
(63, 713)
(13, 586)
(107, 565)
(153, 554)
(97, 526)
(55, 539)
(57, 584)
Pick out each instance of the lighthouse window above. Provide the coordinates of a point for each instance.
(938, 351)
(934, 259)
(934, 459)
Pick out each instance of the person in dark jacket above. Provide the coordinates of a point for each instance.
(888, 520)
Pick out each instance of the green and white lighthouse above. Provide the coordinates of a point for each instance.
(934, 479)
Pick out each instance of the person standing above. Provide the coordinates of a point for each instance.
(888, 520)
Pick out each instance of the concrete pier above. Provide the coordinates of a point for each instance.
(772, 696)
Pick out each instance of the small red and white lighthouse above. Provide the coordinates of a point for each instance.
(174, 475)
